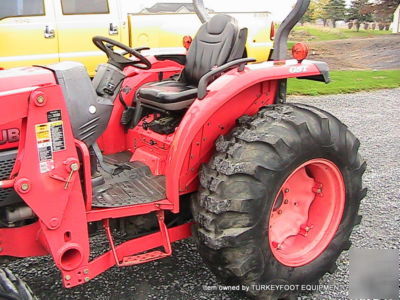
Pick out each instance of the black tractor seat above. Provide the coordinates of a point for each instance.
(217, 42)
(169, 94)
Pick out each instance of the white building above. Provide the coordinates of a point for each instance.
(396, 21)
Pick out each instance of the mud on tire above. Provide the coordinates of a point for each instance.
(241, 181)
(13, 288)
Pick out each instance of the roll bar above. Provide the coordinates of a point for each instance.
(201, 10)
(282, 36)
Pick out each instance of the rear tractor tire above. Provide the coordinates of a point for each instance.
(279, 199)
(13, 288)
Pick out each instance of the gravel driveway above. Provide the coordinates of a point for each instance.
(373, 117)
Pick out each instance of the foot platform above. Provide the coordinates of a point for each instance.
(134, 184)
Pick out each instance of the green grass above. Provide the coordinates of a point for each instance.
(290, 45)
(318, 33)
(346, 82)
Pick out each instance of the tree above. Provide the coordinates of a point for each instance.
(383, 10)
(309, 16)
(360, 12)
(336, 10)
(320, 11)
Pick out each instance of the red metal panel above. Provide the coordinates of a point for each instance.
(16, 86)
(21, 78)
(11, 245)
(149, 147)
(10, 134)
(126, 211)
(86, 172)
(114, 139)
(14, 107)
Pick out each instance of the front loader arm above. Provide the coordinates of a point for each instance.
(46, 176)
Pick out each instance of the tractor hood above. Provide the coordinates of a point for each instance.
(14, 81)
(20, 78)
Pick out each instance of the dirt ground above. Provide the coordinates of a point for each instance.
(380, 53)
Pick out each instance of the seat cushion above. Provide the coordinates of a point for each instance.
(169, 91)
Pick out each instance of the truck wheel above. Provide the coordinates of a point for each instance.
(13, 288)
(279, 199)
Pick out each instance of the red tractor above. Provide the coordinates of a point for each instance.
(200, 144)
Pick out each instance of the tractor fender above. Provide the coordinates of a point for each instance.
(220, 92)
(307, 69)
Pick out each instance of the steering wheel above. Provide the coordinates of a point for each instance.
(118, 60)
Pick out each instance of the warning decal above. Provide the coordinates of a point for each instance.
(44, 146)
(54, 115)
(49, 139)
(57, 136)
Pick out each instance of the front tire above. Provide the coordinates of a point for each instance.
(241, 231)
(14, 288)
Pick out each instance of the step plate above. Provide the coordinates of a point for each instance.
(143, 258)
(131, 187)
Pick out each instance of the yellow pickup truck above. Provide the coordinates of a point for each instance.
(40, 32)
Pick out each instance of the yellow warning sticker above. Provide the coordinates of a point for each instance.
(43, 131)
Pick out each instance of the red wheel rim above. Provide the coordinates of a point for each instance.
(306, 213)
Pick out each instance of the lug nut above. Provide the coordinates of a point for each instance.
(87, 279)
(86, 271)
(67, 277)
(286, 201)
(317, 191)
(286, 190)
(279, 212)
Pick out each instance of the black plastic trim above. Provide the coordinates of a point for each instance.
(210, 76)
(324, 70)
(140, 49)
(106, 45)
(179, 58)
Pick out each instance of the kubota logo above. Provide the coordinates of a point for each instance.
(9, 136)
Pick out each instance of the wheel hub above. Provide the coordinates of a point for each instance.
(306, 212)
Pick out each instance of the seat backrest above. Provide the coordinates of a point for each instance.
(217, 42)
